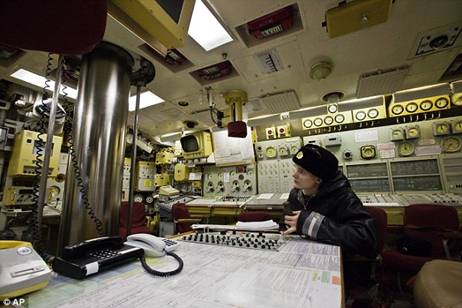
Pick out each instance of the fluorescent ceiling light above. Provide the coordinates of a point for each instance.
(146, 99)
(205, 29)
(39, 81)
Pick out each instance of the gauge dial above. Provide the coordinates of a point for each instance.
(442, 102)
(367, 152)
(283, 150)
(406, 149)
(457, 127)
(328, 120)
(397, 109)
(339, 118)
(441, 129)
(307, 123)
(397, 134)
(318, 122)
(360, 115)
(451, 144)
(426, 105)
(332, 108)
(411, 107)
(293, 149)
(412, 132)
(373, 113)
(270, 152)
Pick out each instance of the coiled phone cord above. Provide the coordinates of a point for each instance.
(163, 274)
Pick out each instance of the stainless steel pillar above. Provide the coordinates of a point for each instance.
(100, 118)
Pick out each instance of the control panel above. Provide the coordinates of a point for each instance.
(237, 181)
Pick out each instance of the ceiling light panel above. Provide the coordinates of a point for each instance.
(205, 29)
(146, 99)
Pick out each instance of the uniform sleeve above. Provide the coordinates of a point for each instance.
(353, 229)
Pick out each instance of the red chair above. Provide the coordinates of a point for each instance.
(425, 222)
(139, 221)
(253, 216)
(182, 218)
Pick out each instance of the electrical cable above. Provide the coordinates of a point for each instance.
(82, 185)
(163, 274)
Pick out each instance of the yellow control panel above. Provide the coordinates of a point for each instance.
(421, 105)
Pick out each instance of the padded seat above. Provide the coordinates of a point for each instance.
(438, 284)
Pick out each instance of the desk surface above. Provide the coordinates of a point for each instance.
(300, 274)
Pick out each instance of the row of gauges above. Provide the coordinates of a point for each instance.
(435, 103)
(408, 132)
(273, 151)
(450, 144)
(446, 128)
(328, 120)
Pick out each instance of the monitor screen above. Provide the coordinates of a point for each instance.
(189, 143)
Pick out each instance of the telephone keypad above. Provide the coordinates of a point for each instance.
(104, 254)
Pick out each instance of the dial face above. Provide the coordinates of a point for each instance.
(442, 128)
(283, 151)
(397, 134)
(368, 151)
(413, 132)
(293, 149)
(307, 123)
(442, 102)
(457, 127)
(397, 109)
(406, 149)
(332, 108)
(270, 152)
(360, 115)
(426, 105)
(328, 120)
(373, 113)
(411, 107)
(452, 144)
(339, 118)
(318, 122)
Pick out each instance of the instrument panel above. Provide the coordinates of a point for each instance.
(428, 104)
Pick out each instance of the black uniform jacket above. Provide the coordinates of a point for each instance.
(335, 215)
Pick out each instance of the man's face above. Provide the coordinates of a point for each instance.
(304, 179)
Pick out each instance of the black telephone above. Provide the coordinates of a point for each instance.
(94, 256)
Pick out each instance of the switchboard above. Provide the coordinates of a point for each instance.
(237, 181)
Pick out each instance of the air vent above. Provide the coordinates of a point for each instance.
(381, 82)
(281, 101)
(269, 61)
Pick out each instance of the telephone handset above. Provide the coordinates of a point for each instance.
(94, 256)
(155, 247)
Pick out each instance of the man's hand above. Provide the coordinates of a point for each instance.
(291, 221)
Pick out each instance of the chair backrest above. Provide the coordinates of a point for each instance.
(138, 215)
(431, 215)
(425, 221)
(253, 216)
(180, 211)
(380, 217)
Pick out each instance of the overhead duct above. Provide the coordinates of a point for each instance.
(100, 119)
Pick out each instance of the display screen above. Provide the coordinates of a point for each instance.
(189, 144)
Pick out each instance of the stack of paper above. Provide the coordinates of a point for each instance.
(266, 225)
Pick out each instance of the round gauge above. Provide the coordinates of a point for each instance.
(373, 113)
(328, 120)
(442, 102)
(138, 198)
(318, 122)
(270, 152)
(397, 134)
(360, 115)
(367, 152)
(411, 107)
(332, 108)
(451, 144)
(412, 132)
(457, 127)
(307, 123)
(293, 149)
(283, 150)
(406, 148)
(426, 105)
(442, 129)
(397, 109)
(339, 118)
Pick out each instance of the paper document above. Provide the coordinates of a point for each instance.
(284, 196)
(257, 225)
(265, 196)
